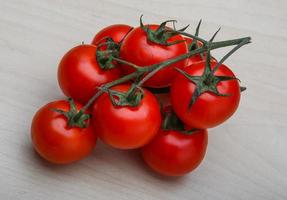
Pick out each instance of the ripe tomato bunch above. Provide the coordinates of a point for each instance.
(112, 87)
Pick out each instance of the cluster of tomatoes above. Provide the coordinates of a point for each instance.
(111, 84)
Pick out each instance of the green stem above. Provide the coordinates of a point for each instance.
(152, 69)
(108, 85)
(242, 43)
(230, 42)
(127, 63)
(192, 36)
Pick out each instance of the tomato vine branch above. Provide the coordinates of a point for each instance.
(150, 70)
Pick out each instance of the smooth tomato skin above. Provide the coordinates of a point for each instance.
(137, 49)
(172, 153)
(117, 32)
(126, 127)
(79, 74)
(55, 141)
(209, 110)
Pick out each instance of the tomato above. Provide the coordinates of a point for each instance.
(138, 50)
(173, 153)
(79, 74)
(55, 141)
(117, 32)
(209, 110)
(126, 127)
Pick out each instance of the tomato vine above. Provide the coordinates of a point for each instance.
(147, 72)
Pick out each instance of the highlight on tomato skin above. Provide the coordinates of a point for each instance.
(126, 127)
(172, 153)
(79, 73)
(138, 50)
(55, 141)
(117, 32)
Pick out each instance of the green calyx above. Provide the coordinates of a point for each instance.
(205, 83)
(194, 43)
(105, 57)
(162, 34)
(172, 122)
(75, 118)
(131, 98)
(208, 81)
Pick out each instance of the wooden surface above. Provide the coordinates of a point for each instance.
(247, 156)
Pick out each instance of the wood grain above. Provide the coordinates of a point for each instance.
(246, 156)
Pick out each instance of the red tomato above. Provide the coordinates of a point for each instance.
(137, 49)
(79, 74)
(126, 127)
(55, 141)
(117, 32)
(209, 110)
(173, 153)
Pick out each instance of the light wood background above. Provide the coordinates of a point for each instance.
(247, 156)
